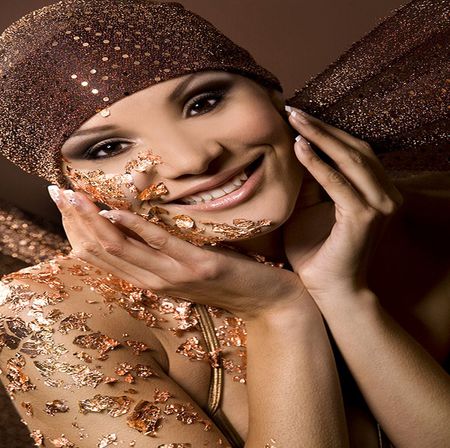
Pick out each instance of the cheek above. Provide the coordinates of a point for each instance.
(252, 123)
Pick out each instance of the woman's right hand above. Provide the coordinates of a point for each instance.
(164, 263)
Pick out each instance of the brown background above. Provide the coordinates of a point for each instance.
(295, 39)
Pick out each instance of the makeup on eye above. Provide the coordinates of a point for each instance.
(204, 98)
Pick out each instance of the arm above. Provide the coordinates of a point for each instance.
(293, 386)
(299, 382)
(406, 389)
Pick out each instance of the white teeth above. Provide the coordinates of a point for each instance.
(218, 193)
(207, 196)
(228, 188)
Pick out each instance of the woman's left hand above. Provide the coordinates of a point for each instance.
(329, 244)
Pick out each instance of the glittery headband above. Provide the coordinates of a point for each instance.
(61, 64)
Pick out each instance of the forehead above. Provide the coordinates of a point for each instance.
(166, 90)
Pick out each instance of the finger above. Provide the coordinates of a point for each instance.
(156, 237)
(334, 183)
(355, 165)
(361, 146)
(103, 245)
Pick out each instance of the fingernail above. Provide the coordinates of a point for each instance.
(70, 196)
(305, 143)
(109, 215)
(288, 109)
(53, 191)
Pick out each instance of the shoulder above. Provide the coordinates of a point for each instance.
(79, 356)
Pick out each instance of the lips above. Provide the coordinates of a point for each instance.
(221, 180)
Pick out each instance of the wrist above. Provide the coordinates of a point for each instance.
(298, 311)
(348, 301)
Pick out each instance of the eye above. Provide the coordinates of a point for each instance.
(204, 103)
(105, 149)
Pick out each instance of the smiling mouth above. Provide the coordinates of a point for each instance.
(226, 188)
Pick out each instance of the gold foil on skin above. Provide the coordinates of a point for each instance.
(114, 406)
(56, 406)
(145, 418)
(137, 347)
(28, 408)
(107, 440)
(186, 414)
(62, 442)
(97, 341)
(153, 191)
(75, 321)
(38, 437)
(175, 445)
(18, 380)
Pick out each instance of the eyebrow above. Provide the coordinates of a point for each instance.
(174, 96)
(97, 129)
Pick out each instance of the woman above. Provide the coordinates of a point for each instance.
(175, 308)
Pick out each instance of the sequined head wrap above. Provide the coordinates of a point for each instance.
(61, 64)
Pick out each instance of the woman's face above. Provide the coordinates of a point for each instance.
(196, 156)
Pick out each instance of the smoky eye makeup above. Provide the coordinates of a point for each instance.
(201, 94)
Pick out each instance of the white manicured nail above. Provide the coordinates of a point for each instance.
(108, 215)
(53, 191)
(70, 196)
(288, 109)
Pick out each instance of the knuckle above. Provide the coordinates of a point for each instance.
(156, 241)
(207, 271)
(90, 248)
(113, 248)
(389, 207)
(365, 147)
(316, 131)
(335, 177)
(358, 157)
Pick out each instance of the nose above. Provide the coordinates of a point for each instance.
(186, 161)
(181, 162)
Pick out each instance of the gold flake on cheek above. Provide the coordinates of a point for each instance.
(114, 190)
(143, 162)
(271, 444)
(37, 437)
(107, 440)
(145, 418)
(241, 228)
(97, 341)
(114, 406)
(75, 321)
(153, 191)
(184, 222)
(56, 406)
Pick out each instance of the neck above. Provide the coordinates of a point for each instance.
(269, 244)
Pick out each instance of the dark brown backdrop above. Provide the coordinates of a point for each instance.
(294, 39)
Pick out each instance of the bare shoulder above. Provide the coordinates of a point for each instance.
(81, 357)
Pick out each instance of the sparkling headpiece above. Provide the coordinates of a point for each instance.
(63, 63)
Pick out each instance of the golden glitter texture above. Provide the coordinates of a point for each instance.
(74, 93)
(107, 440)
(56, 406)
(37, 437)
(114, 406)
(145, 418)
(154, 191)
(23, 238)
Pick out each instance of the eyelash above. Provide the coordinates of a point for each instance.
(217, 94)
